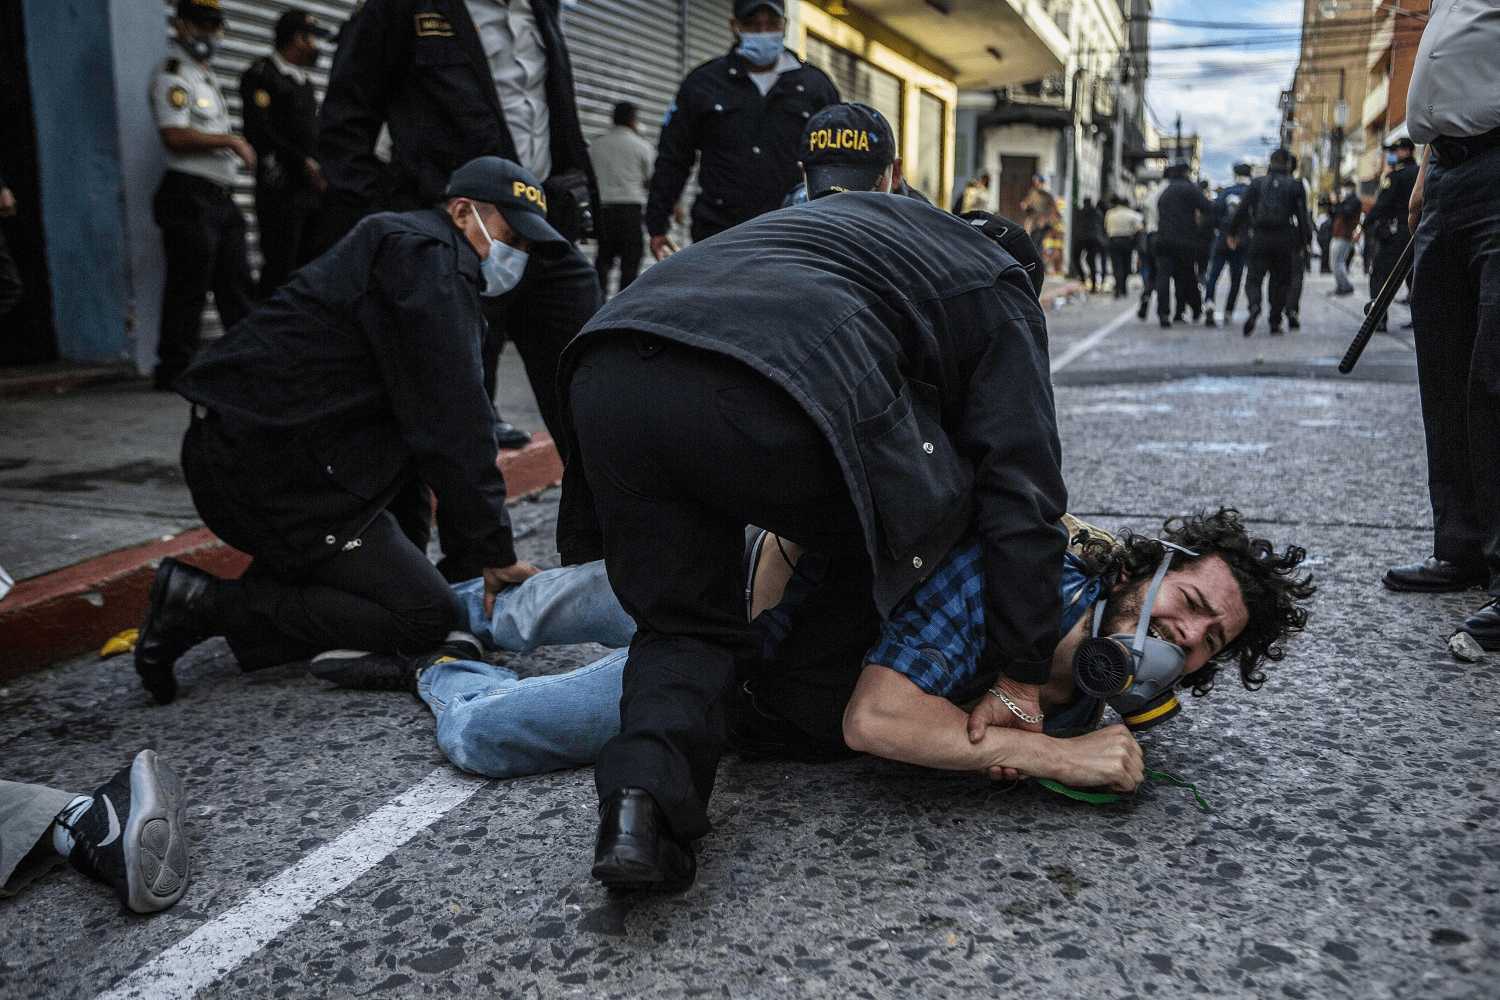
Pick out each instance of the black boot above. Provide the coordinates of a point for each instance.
(177, 619)
(635, 848)
(364, 671)
(509, 436)
(1249, 327)
(1208, 315)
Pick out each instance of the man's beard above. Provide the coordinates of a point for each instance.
(1122, 609)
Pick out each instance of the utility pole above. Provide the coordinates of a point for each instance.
(1179, 137)
(1340, 117)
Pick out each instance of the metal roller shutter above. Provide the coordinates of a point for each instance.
(706, 31)
(249, 27)
(623, 50)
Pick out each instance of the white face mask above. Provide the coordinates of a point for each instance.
(505, 265)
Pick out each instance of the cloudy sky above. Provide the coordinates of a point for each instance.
(1226, 94)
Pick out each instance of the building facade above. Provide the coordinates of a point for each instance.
(1395, 32)
(1328, 93)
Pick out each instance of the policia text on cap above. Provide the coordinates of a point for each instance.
(317, 417)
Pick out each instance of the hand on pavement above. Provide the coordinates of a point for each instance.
(1108, 757)
(991, 711)
(497, 579)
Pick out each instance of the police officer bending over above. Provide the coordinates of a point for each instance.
(740, 116)
(203, 232)
(360, 374)
(280, 109)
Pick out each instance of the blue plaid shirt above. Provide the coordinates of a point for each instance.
(935, 637)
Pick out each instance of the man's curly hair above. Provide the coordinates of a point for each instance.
(1271, 589)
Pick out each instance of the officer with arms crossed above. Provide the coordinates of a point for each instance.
(1386, 219)
(820, 414)
(1454, 107)
(1274, 210)
(740, 117)
(203, 232)
(360, 374)
(280, 109)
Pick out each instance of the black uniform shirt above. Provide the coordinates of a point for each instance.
(917, 345)
(748, 143)
(281, 122)
(369, 359)
(419, 67)
(1387, 217)
(1176, 208)
(1297, 219)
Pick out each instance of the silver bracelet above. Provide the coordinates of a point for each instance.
(1030, 720)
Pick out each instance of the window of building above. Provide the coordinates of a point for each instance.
(857, 80)
(926, 174)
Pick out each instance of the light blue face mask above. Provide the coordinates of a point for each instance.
(761, 48)
(505, 265)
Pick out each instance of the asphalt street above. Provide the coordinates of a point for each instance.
(1353, 849)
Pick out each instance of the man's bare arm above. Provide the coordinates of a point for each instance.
(190, 140)
(891, 717)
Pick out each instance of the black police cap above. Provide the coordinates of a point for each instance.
(846, 147)
(1403, 143)
(515, 192)
(201, 11)
(744, 8)
(296, 21)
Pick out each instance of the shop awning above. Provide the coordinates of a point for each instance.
(989, 43)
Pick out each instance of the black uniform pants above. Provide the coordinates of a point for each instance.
(283, 218)
(203, 235)
(1174, 266)
(1090, 253)
(10, 279)
(1121, 248)
(1272, 255)
(381, 594)
(1300, 263)
(1455, 308)
(682, 449)
(623, 239)
(557, 295)
(1386, 256)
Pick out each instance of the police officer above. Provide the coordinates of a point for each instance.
(203, 232)
(1274, 211)
(740, 117)
(359, 376)
(1386, 219)
(1225, 205)
(456, 79)
(1301, 261)
(1453, 106)
(1178, 210)
(280, 109)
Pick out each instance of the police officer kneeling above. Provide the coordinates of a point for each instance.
(359, 377)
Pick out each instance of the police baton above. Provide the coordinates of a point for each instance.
(1375, 310)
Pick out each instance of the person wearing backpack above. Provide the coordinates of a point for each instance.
(1275, 209)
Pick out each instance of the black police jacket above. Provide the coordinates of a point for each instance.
(365, 370)
(918, 346)
(746, 144)
(1387, 217)
(418, 66)
(1177, 209)
(281, 122)
(1290, 209)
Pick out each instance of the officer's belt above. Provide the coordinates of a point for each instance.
(1452, 152)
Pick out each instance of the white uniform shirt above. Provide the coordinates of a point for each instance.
(1455, 82)
(184, 94)
(1122, 220)
(512, 43)
(623, 162)
(764, 81)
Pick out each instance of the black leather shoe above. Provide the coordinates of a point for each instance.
(1141, 312)
(176, 621)
(510, 436)
(635, 848)
(1484, 626)
(1434, 576)
(1249, 326)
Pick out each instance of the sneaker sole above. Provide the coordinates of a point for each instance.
(155, 841)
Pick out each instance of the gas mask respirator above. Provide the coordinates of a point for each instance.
(1137, 675)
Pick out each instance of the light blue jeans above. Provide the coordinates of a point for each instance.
(491, 721)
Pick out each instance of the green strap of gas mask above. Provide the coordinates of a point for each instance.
(1105, 798)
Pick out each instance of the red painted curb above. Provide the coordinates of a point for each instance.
(71, 611)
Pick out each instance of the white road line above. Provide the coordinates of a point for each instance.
(1088, 343)
(214, 949)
